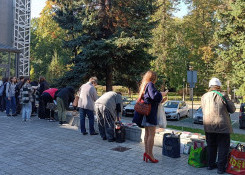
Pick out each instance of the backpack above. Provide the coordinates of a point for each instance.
(1, 90)
(4, 89)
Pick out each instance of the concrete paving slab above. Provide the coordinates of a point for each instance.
(42, 147)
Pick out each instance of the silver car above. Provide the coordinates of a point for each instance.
(198, 116)
(176, 109)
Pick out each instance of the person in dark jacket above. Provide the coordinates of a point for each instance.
(34, 85)
(48, 97)
(152, 96)
(64, 97)
(43, 85)
(3, 101)
(17, 93)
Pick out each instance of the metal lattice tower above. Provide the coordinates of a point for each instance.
(22, 34)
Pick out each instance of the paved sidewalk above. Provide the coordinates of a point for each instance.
(41, 147)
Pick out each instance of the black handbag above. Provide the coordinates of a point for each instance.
(120, 132)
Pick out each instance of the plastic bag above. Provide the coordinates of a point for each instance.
(198, 157)
(161, 117)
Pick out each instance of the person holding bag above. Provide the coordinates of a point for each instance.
(216, 107)
(148, 94)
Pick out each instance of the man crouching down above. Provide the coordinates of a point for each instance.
(108, 108)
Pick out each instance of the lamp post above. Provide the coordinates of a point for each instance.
(183, 89)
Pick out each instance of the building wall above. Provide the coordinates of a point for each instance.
(6, 22)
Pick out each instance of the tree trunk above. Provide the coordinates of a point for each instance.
(109, 78)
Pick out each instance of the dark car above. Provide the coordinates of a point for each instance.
(242, 116)
(126, 100)
(198, 116)
(129, 109)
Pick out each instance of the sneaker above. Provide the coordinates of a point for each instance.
(23, 120)
(8, 115)
(111, 140)
(95, 133)
(65, 123)
(28, 120)
(14, 115)
(85, 133)
(60, 122)
(220, 172)
(211, 167)
(104, 138)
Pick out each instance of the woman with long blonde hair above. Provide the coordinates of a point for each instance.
(150, 95)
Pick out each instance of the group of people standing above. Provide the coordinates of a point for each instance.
(23, 96)
(17, 94)
(216, 107)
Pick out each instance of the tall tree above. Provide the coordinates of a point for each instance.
(230, 42)
(46, 41)
(111, 40)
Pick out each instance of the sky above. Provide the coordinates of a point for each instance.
(38, 5)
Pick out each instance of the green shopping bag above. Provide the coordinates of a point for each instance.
(198, 157)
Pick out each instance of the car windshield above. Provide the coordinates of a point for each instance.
(133, 102)
(171, 104)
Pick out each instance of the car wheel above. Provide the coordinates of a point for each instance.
(178, 117)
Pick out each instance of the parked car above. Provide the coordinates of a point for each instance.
(126, 100)
(198, 116)
(176, 109)
(242, 116)
(129, 109)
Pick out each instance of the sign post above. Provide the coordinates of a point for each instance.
(192, 80)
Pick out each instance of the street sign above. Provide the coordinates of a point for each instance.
(192, 78)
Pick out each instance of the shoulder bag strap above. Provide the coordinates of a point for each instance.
(221, 96)
(142, 96)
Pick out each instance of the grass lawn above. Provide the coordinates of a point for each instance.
(236, 137)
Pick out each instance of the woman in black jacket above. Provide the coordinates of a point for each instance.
(43, 85)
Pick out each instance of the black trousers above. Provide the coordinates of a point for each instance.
(218, 142)
(18, 105)
(43, 111)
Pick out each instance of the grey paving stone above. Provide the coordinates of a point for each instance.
(41, 147)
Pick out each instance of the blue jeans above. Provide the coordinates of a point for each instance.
(26, 111)
(10, 104)
(90, 114)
